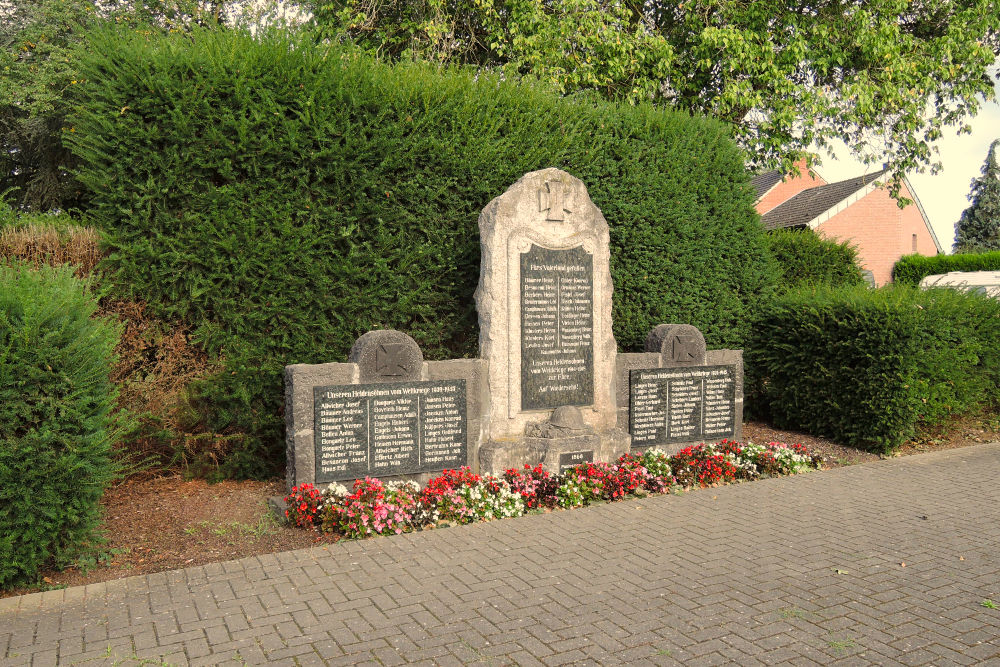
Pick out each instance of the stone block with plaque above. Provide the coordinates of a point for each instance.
(385, 413)
(678, 393)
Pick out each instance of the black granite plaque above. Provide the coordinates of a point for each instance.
(389, 429)
(668, 405)
(569, 460)
(557, 328)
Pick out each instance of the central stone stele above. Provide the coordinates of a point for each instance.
(544, 302)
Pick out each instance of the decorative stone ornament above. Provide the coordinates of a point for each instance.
(387, 355)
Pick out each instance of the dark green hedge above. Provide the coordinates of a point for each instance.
(911, 269)
(803, 258)
(286, 197)
(868, 367)
(55, 404)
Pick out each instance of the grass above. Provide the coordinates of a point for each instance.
(841, 645)
(266, 524)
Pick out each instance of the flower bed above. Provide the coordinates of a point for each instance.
(372, 507)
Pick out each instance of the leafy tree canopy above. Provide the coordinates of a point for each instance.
(38, 71)
(978, 230)
(885, 76)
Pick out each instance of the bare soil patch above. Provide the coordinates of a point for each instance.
(165, 523)
(157, 524)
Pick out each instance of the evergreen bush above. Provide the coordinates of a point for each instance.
(55, 424)
(804, 258)
(911, 269)
(869, 367)
(285, 197)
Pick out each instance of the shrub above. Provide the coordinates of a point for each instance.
(47, 239)
(284, 197)
(803, 258)
(911, 269)
(868, 367)
(55, 424)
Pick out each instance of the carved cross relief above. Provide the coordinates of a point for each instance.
(552, 198)
(684, 348)
(391, 359)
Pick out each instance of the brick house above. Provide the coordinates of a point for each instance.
(856, 210)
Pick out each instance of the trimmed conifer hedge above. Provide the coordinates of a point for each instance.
(803, 258)
(55, 424)
(911, 269)
(869, 367)
(285, 197)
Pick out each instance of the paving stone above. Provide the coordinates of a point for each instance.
(740, 574)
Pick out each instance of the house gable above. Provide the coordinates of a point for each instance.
(772, 190)
(872, 221)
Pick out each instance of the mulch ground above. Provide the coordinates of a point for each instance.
(166, 523)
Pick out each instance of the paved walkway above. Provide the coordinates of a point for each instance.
(798, 570)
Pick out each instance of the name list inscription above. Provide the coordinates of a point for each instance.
(557, 328)
(389, 429)
(668, 405)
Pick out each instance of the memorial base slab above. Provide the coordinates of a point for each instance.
(563, 441)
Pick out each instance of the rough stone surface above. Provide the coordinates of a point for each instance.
(678, 345)
(625, 362)
(566, 420)
(804, 570)
(300, 458)
(387, 355)
(550, 210)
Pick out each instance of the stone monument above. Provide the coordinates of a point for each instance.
(678, 393)
(544, 302)
(386, 413)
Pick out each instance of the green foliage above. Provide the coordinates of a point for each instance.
(911, 269)
(786, 74)
(285, 198)
(36, 69)
(869, 367)
(978, 230)
(55, 423)
(38, 72)
(803, 258)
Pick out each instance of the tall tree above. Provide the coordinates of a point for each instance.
(38, 39)
(885, 76)
(978, 230)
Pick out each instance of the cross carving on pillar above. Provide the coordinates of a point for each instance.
(552, 198)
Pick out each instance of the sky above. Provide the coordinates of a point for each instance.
(944, 196)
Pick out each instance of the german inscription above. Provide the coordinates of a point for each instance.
(389, 429)
(569, 460)
(557, 328)
(668, 405)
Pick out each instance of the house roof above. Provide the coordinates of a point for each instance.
(808, 204)
(763, 182)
